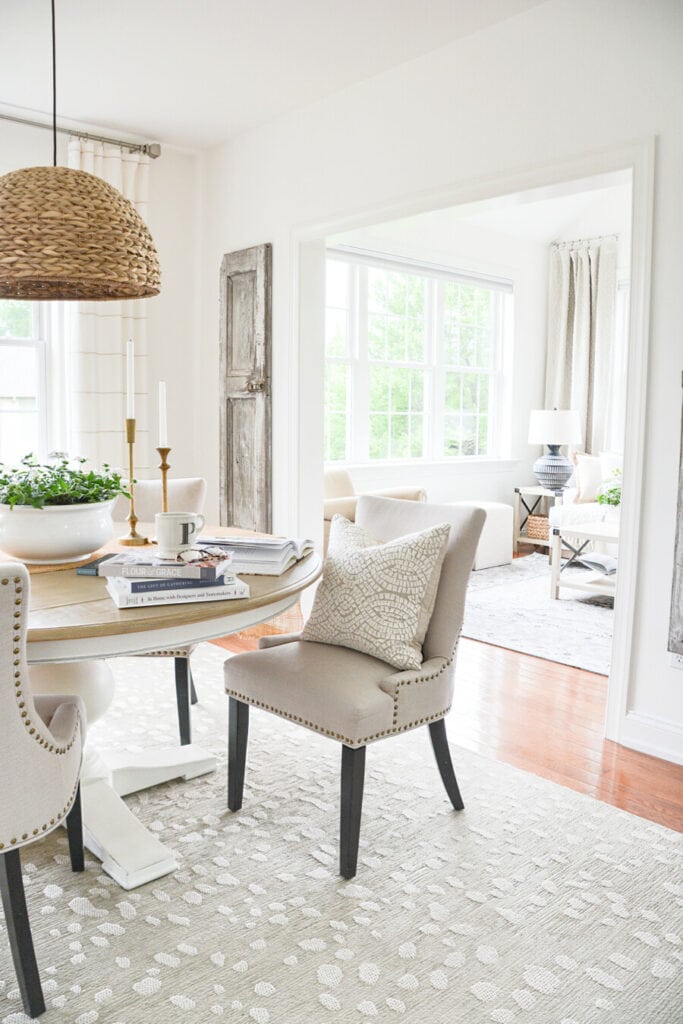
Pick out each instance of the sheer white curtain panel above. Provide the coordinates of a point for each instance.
(581, 326)
(98, 331)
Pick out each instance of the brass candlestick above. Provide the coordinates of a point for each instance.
(133, 537)
(164, 467)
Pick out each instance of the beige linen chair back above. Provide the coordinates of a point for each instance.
(388, 518)
(41, 743)
(186, 494)
(39, 771)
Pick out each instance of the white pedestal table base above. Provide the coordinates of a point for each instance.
(128, 850)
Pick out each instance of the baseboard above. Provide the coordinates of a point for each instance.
(655, 736)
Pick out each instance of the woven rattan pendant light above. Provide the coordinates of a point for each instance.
(66, 234)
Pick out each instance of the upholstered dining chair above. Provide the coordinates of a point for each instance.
(184, 495)
(351, 696)
(41, 744)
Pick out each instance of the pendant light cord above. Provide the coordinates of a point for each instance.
(54, 89)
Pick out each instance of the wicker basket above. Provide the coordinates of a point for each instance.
(537, 527)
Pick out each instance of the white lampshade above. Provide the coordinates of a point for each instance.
(554, 426)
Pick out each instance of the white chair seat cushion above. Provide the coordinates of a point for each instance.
(378, 598)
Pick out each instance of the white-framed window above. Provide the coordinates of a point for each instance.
(23, 391)
(413, 360)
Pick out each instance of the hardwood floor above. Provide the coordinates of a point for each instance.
(544, 718)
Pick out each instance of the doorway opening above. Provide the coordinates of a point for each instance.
(440, 332)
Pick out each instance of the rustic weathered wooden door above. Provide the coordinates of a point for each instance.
(245, 388)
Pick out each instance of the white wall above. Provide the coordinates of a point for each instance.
(607, 212)
(173, 316)
(173, 339)
(563, 80)
(436, 239)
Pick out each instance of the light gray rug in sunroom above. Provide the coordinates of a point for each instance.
(534, 905)
(510, 606)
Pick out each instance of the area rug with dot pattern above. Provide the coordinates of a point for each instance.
(534, 905)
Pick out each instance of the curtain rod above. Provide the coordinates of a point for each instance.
(580, 241)
(152, 149)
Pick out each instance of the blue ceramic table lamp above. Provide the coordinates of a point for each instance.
(554, 427)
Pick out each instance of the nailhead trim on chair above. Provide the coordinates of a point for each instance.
(419, 679)
(53, 749)
(365, 739)
(181, 652)
(53, 823)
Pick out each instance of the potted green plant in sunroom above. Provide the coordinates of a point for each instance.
(609, 495)
(58, 511)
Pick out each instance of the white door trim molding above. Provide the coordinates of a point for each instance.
(620, 688)
(307, 296)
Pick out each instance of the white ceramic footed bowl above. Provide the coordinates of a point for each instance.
(56, 533)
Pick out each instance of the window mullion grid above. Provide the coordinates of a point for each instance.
(496, 382)
(434, 370)
(40, 314)
(360, 412)
(38, 342)
(436, 375)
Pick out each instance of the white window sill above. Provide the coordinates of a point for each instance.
(457, 465)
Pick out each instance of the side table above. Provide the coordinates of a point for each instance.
(527, 501)
(577, 538)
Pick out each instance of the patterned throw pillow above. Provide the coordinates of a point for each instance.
(378, 598)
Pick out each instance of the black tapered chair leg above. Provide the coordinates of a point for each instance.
(238, 734)
(352, 779)
(194, 699)
(19, 931)
(437, 733)
(182, 693)
(74, 830)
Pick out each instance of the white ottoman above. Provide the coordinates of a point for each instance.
(495, 543)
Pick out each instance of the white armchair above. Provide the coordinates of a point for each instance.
(341, 498)
(41, 745)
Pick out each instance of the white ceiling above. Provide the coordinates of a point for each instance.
(197, 72)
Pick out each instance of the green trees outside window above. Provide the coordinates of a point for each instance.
(412, 363)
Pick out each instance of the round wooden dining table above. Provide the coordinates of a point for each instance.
(72, 619)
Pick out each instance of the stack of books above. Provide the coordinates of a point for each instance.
(261, 556)
(134, 580)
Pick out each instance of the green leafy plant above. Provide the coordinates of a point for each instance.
(609, 492)
(57, 483)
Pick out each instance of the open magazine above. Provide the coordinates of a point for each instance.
(606, 564)
(261, 556)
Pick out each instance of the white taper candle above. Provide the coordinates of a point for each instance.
(130, 380)
(163, 425)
